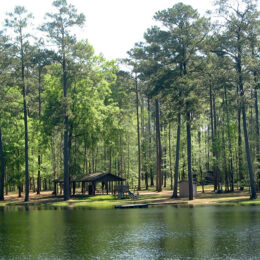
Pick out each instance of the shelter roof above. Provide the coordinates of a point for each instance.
(99, 177)
(94, 177)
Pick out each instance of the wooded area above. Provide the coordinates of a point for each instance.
(186, 108)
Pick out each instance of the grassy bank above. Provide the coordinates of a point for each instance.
(150, 197)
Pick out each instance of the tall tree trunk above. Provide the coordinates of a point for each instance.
(231, 176)
(257, 131)
(248, 156)
(224, 159)
(150, 141)
(66, 131)
(213, 124)
(189, 155)
(61, 153)
(170, 155)
(239, 142)
(2, 159)
(243, 108)
(200, 152)
(164, 158)
(146, 180)
(85, 163)
(158, 148)
(39, 174)
(71, 154)
(39, 150)
(25, 125)
(128, 161)
(254, 72)
(142, 137)
(207, 142)
(176, 170)
(7, 187)
(53, 156)
(138, 136)
(20, 188)
(121, 158)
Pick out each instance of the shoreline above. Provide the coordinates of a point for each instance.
(46, 199)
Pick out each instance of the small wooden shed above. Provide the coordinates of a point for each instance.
(184, 188)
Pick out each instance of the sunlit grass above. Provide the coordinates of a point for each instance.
(99, 201)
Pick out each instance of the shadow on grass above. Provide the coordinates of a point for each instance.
(213, 195)
(109, 201)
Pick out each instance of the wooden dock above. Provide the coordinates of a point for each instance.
(131, 206)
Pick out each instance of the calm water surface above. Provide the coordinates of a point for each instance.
(153, 233)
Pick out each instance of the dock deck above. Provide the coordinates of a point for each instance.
(129, 206)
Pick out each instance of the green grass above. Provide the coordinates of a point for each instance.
(249, 202)
(109, 201)
(105, 201)
(99, 201)
(206, 187)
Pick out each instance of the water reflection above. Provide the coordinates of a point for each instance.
(153, 233)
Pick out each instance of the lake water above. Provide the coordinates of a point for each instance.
(154, 233)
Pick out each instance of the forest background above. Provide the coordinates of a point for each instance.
(186, 107)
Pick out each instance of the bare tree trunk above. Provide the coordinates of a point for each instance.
(224, 160)
(25, 126)
(213, 125)
(200, 152)
(128, 160)
(7, 186)
(257, 131)
(189, 156)
(20, 188)
(170, 155)
(53, 156)
(66, 131)
(146, 180)
(138, 136)
(239, 142)
(39, 151)
(150, 141)
(2, 159)
(33, 184)
(164, 156)
(243, 108)
(176, 170)
(231, 176)
(158, 148)
(121, 158)
(249, 162)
